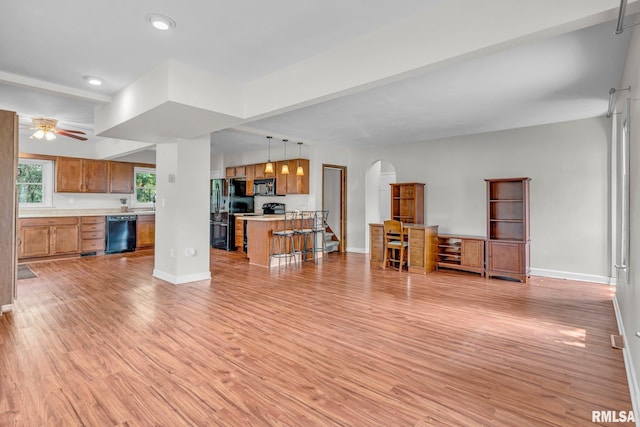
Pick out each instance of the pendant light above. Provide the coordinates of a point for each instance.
(300, 170)
(268, 167)
(285, 164)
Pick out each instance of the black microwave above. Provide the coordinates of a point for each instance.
(264, 187)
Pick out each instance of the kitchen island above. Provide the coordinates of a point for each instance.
(259, 232)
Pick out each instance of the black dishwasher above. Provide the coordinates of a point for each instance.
(121, 233)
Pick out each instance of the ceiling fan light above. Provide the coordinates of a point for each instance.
(39, 134)
(49, 136)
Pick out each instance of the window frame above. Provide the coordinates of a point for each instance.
(134, 196)
(47, 183)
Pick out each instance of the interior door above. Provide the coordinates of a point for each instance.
(334, 200)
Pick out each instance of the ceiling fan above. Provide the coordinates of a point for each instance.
(46, 128)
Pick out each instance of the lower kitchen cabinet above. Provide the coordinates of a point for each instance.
(145, 231)
(239, 237)
(92, 237)
(42, 237)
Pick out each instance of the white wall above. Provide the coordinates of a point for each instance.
(628, 295)
(568, 164)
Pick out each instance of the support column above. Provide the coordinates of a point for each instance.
(182, 211)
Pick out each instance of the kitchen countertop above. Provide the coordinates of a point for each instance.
(262, 218)
(44, 213)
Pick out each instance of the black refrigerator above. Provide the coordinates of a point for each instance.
(228, 197)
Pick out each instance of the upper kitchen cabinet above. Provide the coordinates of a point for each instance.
(235, 171)
(250, 173)
(121, 177)
(75, 175)
(291, 183)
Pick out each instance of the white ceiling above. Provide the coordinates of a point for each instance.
(564, 76)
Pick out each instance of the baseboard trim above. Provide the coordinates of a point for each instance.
(6, 308)
(628, 365)
(572, 276)
(358, 250)
(179, 280)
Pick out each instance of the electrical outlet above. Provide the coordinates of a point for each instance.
(189, 252)
(171, 253)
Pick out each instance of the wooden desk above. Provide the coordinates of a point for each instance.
(423, 246)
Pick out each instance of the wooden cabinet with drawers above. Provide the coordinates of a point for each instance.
(145, 231)
(423, 244)
(51, 236)
(92, 234)
(239, 237)
(376, 244)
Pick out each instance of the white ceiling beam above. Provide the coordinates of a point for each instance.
(27, 82)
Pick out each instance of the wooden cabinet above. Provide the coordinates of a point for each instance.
(75, 175)
(235, 171)
(423, 243)
(239, 236)
(41, 237)
(250, 174)
(422, 250)
(259, 173)
(8, 207)
(407, 202)
(508, 228)
(291, 183)
(145, 231)
(376, 244)
(464, 253)
(285, 184)
(92, 234)
(121, 177)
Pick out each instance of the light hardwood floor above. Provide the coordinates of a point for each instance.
(99, 342)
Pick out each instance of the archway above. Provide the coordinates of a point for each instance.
(377, 198)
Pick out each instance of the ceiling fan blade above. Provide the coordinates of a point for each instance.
(70, 135)
(71, 131)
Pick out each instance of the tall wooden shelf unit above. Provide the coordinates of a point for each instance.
(508, 228)
(407, 202)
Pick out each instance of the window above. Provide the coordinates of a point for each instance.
(145, 185)
(35, 183)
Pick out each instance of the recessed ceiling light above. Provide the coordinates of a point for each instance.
(93, 81)
(161, 22)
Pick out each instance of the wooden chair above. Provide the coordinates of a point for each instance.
(394, 244)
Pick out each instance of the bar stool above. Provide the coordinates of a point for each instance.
(304, 232)
(282, 240)
(319, 228)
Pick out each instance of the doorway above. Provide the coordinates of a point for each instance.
(334, 200)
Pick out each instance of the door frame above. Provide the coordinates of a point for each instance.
(343, 202)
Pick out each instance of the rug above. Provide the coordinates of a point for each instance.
(24, 272)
